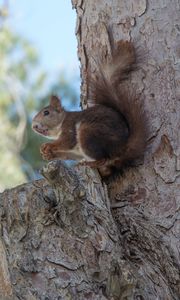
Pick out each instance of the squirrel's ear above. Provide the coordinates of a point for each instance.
(56, 103)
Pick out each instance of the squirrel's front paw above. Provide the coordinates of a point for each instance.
(46, 151)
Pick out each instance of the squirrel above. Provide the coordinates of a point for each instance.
(108, 135)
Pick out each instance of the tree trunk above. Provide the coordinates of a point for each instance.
(61, 237)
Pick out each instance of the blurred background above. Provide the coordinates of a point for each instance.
(38, 57)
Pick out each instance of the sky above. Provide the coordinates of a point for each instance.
(50, 26)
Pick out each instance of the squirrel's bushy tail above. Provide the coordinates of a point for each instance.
(110, 88)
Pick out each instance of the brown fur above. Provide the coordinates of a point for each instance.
(108, 135)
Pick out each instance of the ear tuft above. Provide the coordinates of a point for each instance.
(55, 102)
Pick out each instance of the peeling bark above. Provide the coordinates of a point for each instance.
(70, 236)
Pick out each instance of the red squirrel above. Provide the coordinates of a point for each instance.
(108, 135)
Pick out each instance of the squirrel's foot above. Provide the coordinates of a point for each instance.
(46, 151)
(92, 164)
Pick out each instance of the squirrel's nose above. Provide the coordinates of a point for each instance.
(34, 126)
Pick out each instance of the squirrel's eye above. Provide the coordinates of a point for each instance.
(46, 112)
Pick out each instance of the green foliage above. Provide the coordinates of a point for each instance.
(23, 90)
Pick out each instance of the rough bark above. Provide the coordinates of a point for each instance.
(60, 239)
